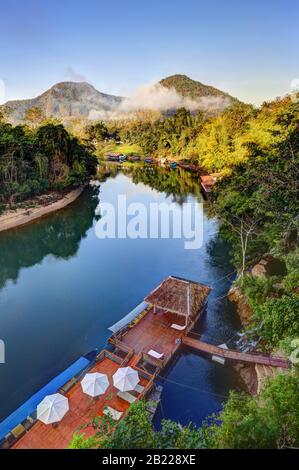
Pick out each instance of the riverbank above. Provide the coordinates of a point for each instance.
(42, 206)
(75, 276)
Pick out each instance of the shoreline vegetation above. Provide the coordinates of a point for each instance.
(40, 159)
(42, 206)
(256, 152)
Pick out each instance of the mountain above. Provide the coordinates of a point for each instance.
(189, 88)
(65, 100)
(69, 100)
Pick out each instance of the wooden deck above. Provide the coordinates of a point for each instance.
(150, 330)
(235, 355)
(153, 332)
(82, 409)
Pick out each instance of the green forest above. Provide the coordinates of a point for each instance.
(37, 159)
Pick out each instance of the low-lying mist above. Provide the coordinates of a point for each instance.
(156, 97)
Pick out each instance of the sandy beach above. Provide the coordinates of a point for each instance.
(17, 218)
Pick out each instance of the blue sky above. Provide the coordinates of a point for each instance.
(248, 48)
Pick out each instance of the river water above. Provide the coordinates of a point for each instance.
(61, 287)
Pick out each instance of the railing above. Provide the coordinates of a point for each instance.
(128, 357)
(113, 357)
(143, 373)
(124, 348)
(153, 361)
(147, 389)
(119, 344)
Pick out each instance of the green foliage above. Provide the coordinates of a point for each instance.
(79, 441)
(182, 134)
(97, 132)
(257, 289)
(217, 144)
(276, 311)
(35, 160)
(263, 190)
(172, 136)
(135, 431)
(270, 420)
(280, 318)
(110, 147)
(291, 280)
(191, 88)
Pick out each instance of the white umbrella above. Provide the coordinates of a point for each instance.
(52, 408)
(125, 379)
(95, 384)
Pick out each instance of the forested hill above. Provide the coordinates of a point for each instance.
(187, 87)
(69, 101)
(64, 101)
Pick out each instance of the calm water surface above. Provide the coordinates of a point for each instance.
(61, 288)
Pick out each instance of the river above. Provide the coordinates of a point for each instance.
(61, 287)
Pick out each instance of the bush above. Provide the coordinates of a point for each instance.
(136, 431)
(280, 318)
(256, 289)
(268, 421)
(291, 281)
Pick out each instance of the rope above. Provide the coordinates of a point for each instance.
(191, 387)
(221, 297)
(224, 277)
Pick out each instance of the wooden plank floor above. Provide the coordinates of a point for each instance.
(82, 409)
(153, 332)
(235, 355)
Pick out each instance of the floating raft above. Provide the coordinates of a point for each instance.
(28, 409)
(149, 328)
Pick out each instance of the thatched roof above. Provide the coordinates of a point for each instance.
(180, 296)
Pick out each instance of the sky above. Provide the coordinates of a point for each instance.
(248, 48)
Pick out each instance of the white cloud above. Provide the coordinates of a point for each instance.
(156, 97)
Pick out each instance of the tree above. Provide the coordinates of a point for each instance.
(97, 132)
(268, 421)
(34, 160)
(245, 227)
(280, 318)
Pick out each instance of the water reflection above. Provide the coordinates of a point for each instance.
(61, 305)
(177, 184)
(58, 234)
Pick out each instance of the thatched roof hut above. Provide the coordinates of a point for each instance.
(179, 296)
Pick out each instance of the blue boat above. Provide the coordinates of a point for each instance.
(173, 165)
